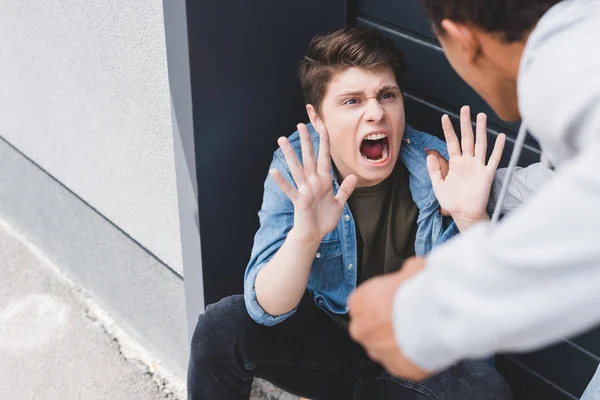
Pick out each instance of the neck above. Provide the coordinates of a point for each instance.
(506, 57)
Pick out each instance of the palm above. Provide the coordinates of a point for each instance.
(316, 209)
(465, 190)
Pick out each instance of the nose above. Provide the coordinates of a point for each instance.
(374, 111)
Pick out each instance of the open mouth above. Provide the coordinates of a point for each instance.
(375, 148)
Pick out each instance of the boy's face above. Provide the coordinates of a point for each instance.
(363, 112)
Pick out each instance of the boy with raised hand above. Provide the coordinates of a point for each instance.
(318, 239)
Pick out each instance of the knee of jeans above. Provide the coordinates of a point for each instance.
(219, 325)
(489, 380)
(469, 380)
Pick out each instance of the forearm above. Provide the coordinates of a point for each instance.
(281, 283)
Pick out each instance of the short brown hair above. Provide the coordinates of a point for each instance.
(341, 49)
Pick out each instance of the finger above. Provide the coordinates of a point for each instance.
(444, 166)
(350, 303)
(434, 169)
(497, 152)
(284, 185)
(374, 356)
(466, 131)
(413, 265)
(292, 161)
(324, 165)
(346, 189)
(450, 136)
(355, 331)
(308, 154)
(481, 137)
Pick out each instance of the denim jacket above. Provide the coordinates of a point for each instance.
(333, 272)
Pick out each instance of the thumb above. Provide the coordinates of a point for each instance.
(413, 265)
(346, 189)
(444, 165)
(435, 170)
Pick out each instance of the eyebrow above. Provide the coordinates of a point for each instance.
(362, 93)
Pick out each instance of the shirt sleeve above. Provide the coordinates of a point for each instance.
(276, 220)
(524, 183)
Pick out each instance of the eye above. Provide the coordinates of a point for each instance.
(388, 95)
(350, 102)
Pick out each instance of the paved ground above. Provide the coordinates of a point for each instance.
(263, 390)
(52, 344)
(55, 343)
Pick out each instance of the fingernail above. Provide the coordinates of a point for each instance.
(426, 149)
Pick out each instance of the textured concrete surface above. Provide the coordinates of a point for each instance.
(263, 390)
(56, 345)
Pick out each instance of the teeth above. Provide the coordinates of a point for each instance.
(376, 136)
(384, 156)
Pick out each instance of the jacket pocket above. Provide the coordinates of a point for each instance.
(328, 250)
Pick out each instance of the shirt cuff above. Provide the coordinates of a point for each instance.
(257, 313)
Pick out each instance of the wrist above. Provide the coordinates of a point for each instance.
(304, 238)
(464, 222)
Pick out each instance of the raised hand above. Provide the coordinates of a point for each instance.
(464, 192)
(316, 209)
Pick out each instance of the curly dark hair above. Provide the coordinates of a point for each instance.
(345, 48)
(513, 19)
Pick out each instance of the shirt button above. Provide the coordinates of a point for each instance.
(350, 266)
(318, 255)
(347, 217)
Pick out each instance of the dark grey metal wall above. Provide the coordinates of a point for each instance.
(241, 58)
(432, 88)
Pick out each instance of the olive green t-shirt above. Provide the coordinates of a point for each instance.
(386, 225)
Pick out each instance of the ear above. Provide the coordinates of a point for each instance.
(315, 119)
(464, 38)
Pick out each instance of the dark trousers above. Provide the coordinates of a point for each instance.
(310, 355)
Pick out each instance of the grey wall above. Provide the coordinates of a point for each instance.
(556, 373)
(84, 93)
(141, 293)
(87, 166)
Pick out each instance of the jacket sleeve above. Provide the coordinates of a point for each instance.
(276, 220)
(516, 286)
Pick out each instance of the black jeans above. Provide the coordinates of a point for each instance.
(310, 355)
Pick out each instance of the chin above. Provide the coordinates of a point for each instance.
(372, 178)
(506, 108)
(509, 115)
